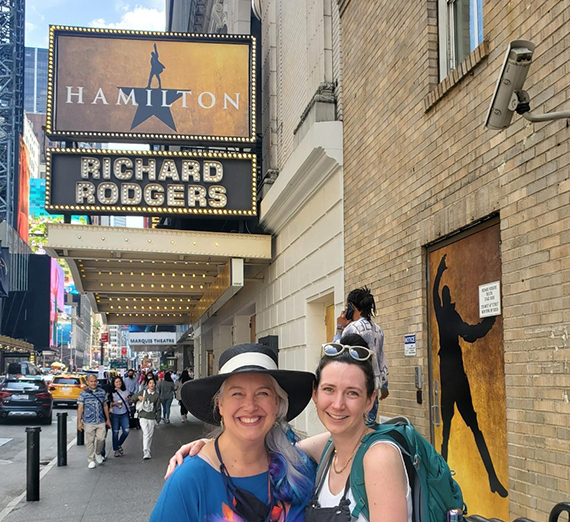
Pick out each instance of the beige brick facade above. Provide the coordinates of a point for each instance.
(301, 194)
(419, 166)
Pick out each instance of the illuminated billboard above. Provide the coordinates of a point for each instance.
(23, 192)
(110, 84)
(98, 181)
(56, 299)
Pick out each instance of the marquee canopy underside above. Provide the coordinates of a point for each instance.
(156, 276)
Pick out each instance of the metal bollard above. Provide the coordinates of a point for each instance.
(62, 439)
(33, 464)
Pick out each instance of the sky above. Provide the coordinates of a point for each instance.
(117, 14)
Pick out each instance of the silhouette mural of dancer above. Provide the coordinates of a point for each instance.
(156, 68)
(454, 382)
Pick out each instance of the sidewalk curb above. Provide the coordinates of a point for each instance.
(13, 503)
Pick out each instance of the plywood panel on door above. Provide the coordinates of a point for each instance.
(467, 361)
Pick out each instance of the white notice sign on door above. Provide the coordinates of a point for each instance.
(490, 299)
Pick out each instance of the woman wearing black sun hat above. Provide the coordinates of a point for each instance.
(252, 471)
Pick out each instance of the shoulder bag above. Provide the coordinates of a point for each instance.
(134, 422)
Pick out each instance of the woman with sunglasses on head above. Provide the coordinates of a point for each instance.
(343, 394)
(252, 471)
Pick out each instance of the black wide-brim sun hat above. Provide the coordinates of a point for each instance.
(197, 395)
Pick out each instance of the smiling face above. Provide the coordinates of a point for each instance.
(341, 398)
(92, 381)
(248, 405)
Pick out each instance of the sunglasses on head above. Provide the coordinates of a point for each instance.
(358, 353)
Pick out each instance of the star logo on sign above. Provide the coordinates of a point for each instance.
(153, 102)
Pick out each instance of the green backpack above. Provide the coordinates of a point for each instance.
(434, 491)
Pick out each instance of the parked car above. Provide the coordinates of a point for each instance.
(23, 368)
(66, 388)
(25, 396)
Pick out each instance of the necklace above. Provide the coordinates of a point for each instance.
(337, 471)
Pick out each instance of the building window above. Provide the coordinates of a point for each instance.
(460, 32)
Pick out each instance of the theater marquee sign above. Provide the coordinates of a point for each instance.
(96, 181)
(108, 84)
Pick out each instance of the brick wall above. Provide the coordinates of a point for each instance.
(414, 176)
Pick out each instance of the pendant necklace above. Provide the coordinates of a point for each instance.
(338, 472)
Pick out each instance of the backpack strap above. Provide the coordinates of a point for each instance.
(325, 457)
(385, 431)
(357, 478)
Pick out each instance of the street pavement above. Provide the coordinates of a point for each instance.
(13, 451)
(123, 488)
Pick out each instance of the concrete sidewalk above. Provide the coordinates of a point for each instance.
(124, 488)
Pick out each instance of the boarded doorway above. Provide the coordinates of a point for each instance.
(467, 368)
(330, 323)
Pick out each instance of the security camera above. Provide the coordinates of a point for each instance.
(256, 8)
(509, 95)
(510, 82)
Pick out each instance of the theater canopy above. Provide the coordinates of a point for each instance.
(156, 276)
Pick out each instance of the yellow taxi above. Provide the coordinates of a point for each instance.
(65, 388)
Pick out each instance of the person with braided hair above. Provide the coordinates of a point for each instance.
(356, 318)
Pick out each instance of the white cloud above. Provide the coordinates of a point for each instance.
(126, 5)
(31, 8)
(142, 18)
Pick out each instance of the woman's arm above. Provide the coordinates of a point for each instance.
(315, 445)
(312, 446)
(386, 484)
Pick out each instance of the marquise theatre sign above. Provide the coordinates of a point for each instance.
(95, 181)
(108, 84)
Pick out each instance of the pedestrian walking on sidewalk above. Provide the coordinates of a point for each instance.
(108, 388)
(144, 384)
(148, 406)
(119, 415)
(165, 388)
(131, 382)
(93, 419)
(185, 376)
